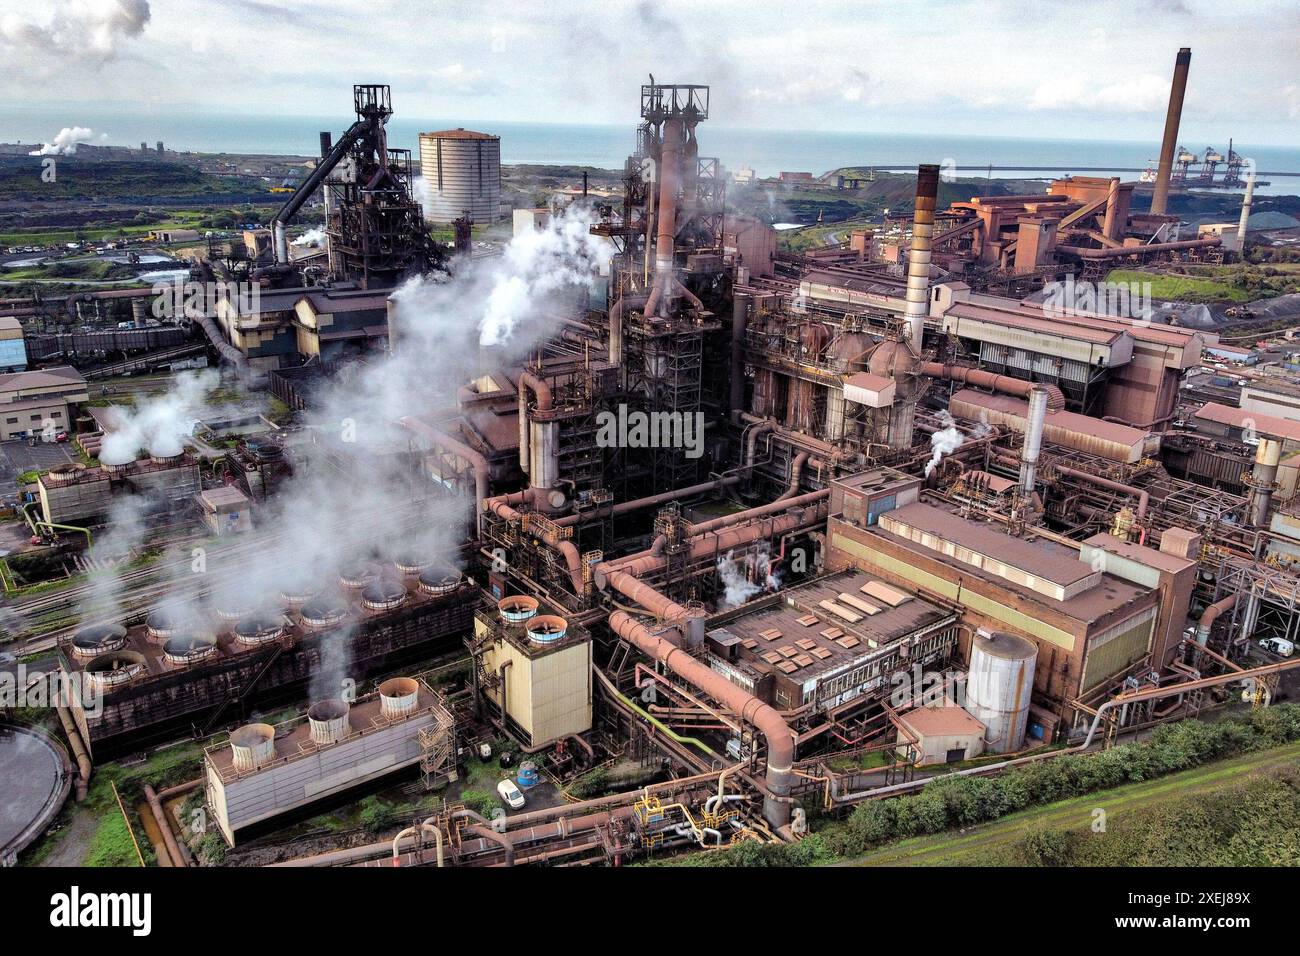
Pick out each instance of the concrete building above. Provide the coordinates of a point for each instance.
(940, 735)
(1090, 625)
(38, 401)
(226, 510)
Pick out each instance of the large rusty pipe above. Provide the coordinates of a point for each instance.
(1146, 249)
(918, 259)
(1006, 384)
(1111, 226)
(1144, 499)
(1212, 614)
(84, 765)
(751, 440)
(502, 507)
(639, 504)
(780, 739)
(1159, 198)
(739, 322)
(670, 171)
(440, 439)
(160, 817)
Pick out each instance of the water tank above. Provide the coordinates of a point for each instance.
(462, 172)
(998, 687)
(528, 776)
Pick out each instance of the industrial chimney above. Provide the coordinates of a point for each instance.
(1263, 480)
(918, 260)
(1245, 211)
(1033, 438)
(1172, 118)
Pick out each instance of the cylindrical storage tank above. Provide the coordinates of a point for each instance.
(185, 649)
(329, 721)
(462, 170)
(547, 629)
(320, 613)
(383, 595)
(231, 610)
(517, 608)
(998, 687)
(252, 746)
(437, 581)
(114, 669)
(528, 775)
(398, 696)
(254, 630)
(98, 639)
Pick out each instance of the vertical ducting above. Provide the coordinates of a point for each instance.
(670, 174)
(1111, 225)
(739, 321)
(281, 242)
(1245, 211)
(1263, 480)
(918, 260)
(1033, 438)
(1160, 197)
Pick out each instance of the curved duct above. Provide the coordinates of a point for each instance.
(779, 736)
(441, 440)
(1212, 614)
(1006, 384)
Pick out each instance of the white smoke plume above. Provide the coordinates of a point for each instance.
(66, 141)
(950, 438)
(944, 442)
(159, 425)
(84, 30)
(742, 579)
(312, 237)
(360, 495)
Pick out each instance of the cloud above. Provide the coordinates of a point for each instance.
(1143, 93)
(90, 31)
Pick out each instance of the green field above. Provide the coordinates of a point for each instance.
(982, 843)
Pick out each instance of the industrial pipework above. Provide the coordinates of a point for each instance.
(1172, 118)
(1263, 479)
(918, 259)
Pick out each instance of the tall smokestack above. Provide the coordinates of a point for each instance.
(1160, 196)
(1033, 438)
(1245, 211)
(1263, 479)
(918, 260)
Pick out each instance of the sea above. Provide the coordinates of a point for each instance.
(767, 151)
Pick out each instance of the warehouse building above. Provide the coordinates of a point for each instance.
(35, 402)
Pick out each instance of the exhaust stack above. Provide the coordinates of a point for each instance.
(1263, 480)
(1245, 212)
(1160, 197)
(1033, 438)
(918, 260)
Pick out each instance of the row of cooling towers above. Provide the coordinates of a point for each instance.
(373, 587)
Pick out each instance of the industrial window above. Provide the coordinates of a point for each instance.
(12, 421)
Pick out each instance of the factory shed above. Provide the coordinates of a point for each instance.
(1225, 421)
(1109, 440)
(226, 510)
(942, 735)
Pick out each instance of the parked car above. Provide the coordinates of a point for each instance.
(510, 794)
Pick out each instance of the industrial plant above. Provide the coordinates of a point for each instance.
(638, 534)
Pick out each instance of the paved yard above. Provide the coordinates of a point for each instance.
(17, 456)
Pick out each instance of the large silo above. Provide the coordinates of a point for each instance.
(998, 687)
(462, 172)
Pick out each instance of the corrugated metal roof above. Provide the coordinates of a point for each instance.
(1269, 425)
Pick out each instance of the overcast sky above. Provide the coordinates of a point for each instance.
(1090, 69)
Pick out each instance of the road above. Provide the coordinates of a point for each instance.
(973, 845)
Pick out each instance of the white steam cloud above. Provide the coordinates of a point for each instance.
(949, 438)
(359, 491)
(312, 237)
(161, 425)
(744, 578)
(66, 141)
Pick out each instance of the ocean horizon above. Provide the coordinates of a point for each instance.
(768, 152)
